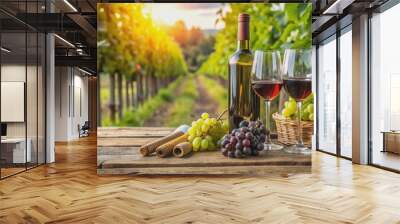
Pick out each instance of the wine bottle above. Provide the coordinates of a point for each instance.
(243, 102)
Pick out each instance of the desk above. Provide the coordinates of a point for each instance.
(16, 148)
(391, 141)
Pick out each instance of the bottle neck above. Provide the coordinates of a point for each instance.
(243, 45)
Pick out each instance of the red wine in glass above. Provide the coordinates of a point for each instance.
(267, 89)
(297, 88)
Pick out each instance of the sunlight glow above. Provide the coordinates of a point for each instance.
(202, 15)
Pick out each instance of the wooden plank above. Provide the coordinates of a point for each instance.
(102, 151)
(123, 141)
(228, 170)
(208, 159)
(143, 132)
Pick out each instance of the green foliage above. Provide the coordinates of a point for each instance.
(180, 112)
(128, 41)
(272, 27)
(196, 46)
(137, 116)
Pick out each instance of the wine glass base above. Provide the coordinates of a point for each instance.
(272, 147)
(298, 149)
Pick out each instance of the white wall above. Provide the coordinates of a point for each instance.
(71, 102)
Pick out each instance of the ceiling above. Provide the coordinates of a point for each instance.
(74, 22)
(331, 15)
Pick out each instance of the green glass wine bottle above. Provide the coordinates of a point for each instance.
(243, 102)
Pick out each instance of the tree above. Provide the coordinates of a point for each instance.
(130, 40)
(272, 27)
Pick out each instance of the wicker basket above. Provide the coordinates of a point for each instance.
(287, 130)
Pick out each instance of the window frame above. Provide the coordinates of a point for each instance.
(335, 36)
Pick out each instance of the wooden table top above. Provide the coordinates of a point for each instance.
(118, 154)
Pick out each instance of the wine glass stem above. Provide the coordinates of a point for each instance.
(299, 130)
(268, 120)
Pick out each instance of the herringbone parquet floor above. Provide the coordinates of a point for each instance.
(69, 191)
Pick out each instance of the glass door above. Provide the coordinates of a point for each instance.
(326, 96)
(22, 91)
(346, 92)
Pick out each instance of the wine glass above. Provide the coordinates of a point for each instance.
(297, 83)
(267, 82)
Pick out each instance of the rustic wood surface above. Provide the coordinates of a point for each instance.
(70, 191)
(120, 155)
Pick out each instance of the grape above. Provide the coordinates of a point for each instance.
(262, 137)
(191, 138)
(191, 131)
(310, 108)
(247, 151)
(204, 144)
(254, 153)
(305, 115)
(292, 106)
(252, 125)
(196, 144)
(233, 140)
(209, 138)
(263, 130)
(238, 154)
(286, 112)
(241, 135)
(260, 146)
(224, 151)
(229, 146)
(244, 129)
(204, 115)
(243, 123)
(211, 145)
(249, 135)
(231, 154)
(207, 121)
(210, 129)
(239, 146)
(246, 143)
(225, 142)
(311, 117)
(205, 127)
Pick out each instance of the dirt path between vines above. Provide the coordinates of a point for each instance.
(204, 103)
(160, 115)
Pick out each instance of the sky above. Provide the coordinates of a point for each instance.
(202, 15)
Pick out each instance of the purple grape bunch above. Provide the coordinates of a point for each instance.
(247, 140)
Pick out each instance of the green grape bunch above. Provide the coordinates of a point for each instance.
(307, 109)
(205, 133)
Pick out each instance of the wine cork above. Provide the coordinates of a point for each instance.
(150, 148)
(166, 149)
(182, 149)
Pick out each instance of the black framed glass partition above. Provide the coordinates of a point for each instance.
(334, 93)
(22, 78)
